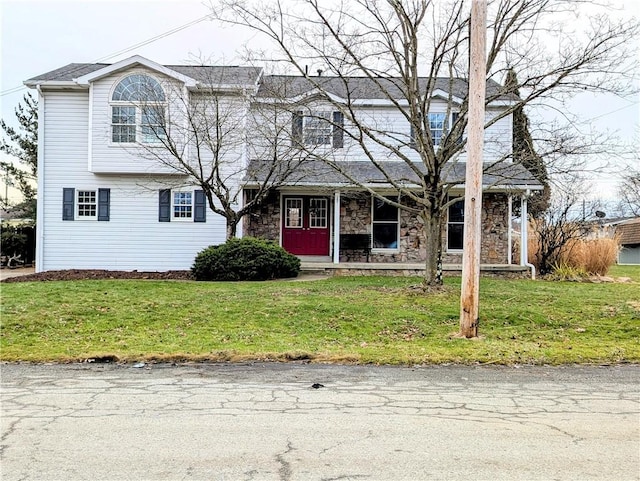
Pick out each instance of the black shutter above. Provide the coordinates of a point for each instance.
(164, 205)
(199, 207)
(68, 198)
(338, 130)
(454, 119)
(104, 196)
(296, 127)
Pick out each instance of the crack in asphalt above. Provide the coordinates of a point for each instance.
(40, 402)
(285, 467)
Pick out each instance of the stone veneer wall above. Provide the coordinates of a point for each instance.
(264, 221)
(355, 218)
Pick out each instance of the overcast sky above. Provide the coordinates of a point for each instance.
(37, 37)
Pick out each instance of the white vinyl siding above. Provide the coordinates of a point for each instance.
(392, 127)
(112, 148)
(133, 238)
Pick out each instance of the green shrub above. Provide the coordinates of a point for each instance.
(12, 240)
(246, 259)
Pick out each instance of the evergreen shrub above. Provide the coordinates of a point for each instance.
(246, 259)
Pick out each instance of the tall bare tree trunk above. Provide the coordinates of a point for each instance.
(433, 240)
(232, 227)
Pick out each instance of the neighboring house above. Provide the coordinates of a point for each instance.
(103, 204)
(628, 233)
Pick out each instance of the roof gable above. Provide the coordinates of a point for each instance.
(81, 74)
(629, 232)
(130, 62)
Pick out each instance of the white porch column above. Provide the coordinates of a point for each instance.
(336, 227)
(524, 225)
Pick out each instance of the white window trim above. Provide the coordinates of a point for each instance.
(286, 214)
(138, 123)
(139, 106)
(447, 249)
(76, 207)
(318, 115)
(448, 120)
(383, 250)
(172, 215)
(326, 212)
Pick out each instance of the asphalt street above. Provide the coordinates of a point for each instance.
(269, 422)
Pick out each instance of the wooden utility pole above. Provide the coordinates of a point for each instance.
(470, 291)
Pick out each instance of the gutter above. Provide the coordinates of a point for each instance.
(524, 247)
(40, 173)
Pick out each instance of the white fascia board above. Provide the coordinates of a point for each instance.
(441, 94)
(129, 62)
(502, 188)
(46, 84)
(502, 103)
(221, 87)
(385, 185)
(299, 98)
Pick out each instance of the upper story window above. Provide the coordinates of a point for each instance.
(137, 110)
(319, 128)
(437, 126)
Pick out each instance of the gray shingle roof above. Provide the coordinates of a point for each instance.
(68, 72)
(279, 86)
(317, 173)
(201, 73)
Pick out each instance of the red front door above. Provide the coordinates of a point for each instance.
(305, 222)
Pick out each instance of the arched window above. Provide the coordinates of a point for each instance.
(138, 100)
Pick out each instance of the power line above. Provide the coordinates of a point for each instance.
(613, 111)
(125, 50)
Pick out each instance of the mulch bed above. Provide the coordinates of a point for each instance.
(97, 274)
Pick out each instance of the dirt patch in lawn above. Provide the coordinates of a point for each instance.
(98, 274)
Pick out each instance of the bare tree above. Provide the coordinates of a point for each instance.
(203, 135)
(629, 192)
(402, 47)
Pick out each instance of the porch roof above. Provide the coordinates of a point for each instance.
(497, 176)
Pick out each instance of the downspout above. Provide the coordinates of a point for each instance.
(336, 227)
(40, 182)
(524, 247)
(509, 233)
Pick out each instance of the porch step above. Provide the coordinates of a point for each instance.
(363, 268)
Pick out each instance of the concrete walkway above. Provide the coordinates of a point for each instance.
(5, 272)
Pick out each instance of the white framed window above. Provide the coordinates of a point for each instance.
(455, 225)
(138, 107)
(86, 204)
(318, 213)
(436, 127)
(317, 128)
(386, 224)
(182, 205)
(123, 124)
(293, 213)
(321, 128)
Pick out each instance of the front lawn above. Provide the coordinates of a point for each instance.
(352, 319)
